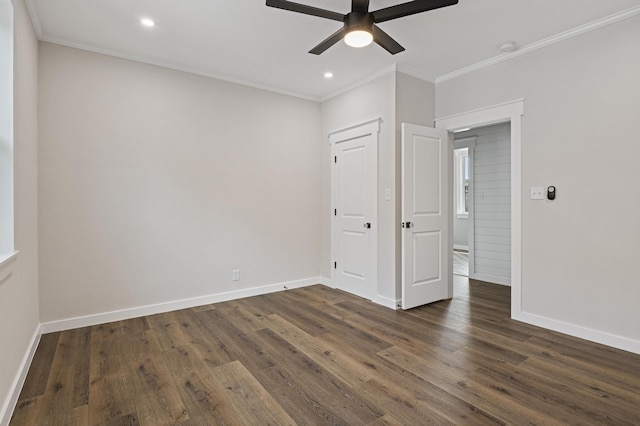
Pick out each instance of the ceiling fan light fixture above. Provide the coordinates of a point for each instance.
(358, 38)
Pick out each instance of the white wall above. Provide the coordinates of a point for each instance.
(395, 98)
(375, 99)
(19, 292)
(460, 232)
(155, 184)
(580, 128)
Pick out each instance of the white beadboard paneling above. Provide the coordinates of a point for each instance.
(492, 203)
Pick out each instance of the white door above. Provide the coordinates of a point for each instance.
(354, 209)
(427, 250)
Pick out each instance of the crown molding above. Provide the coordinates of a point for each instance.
(361, 82)
(177, 67)
(415, 73)
(565, 35)
(35, 20)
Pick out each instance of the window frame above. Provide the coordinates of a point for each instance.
(7, 248)
(463, 148)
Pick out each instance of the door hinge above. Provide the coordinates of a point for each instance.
(335, 159)
(335, 265)
(335, 212)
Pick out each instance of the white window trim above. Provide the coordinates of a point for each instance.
(460, 154)
(459, 144)
(7, 249)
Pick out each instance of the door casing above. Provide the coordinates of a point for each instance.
(371, 130)
(512, 112)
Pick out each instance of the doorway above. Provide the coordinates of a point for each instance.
(508, 112)
(462, 203)
(482, 197)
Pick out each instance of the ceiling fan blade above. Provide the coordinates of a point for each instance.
(385, 40)
(328, 42)
(409, 8)
(361, 6)
(307, 10)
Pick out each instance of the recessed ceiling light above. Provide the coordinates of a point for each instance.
(328, 74)
(508, 47)
(147, 22)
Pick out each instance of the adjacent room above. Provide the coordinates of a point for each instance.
(319, 212)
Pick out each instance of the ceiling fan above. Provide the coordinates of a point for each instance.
(360, 27)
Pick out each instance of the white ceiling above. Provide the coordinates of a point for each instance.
(245, 41)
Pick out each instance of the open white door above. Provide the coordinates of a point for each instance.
(427, 273)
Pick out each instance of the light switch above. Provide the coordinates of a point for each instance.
(537, 193)
(387, 194)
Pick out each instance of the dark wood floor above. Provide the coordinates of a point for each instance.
(317, 355)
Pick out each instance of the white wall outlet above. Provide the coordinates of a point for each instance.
(387, 194)
(235, 275)
(537, 193)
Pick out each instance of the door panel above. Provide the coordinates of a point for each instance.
(426, 178)
(352, 188)
(426, 205)
(354, 251)
(426, 257)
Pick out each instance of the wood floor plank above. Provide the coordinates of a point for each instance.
(38, 374)
(410, 407)
(617, 399)
(204, 398)
(330, 358)
(111, 400)
(68, 384)
(158, 401)
(235, 344)
(316, 355)
(27, 411)
(242, 319)
(552, 395)
(401, 330)
(317, 383)
(437, 374)
(250, 401)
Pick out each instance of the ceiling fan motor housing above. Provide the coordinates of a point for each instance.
(358, 21)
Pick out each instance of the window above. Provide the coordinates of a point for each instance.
(462, 181)
(6, 130)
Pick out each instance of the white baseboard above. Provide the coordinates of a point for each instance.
(491, 279)
(327, 282)
(380, 300)
(387, 302)
(10, 404)
(596, 336)
(124, 314)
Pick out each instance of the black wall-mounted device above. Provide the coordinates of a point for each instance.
(551, 193)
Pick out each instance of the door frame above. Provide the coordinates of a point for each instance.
(364, 129)
(501, 113)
